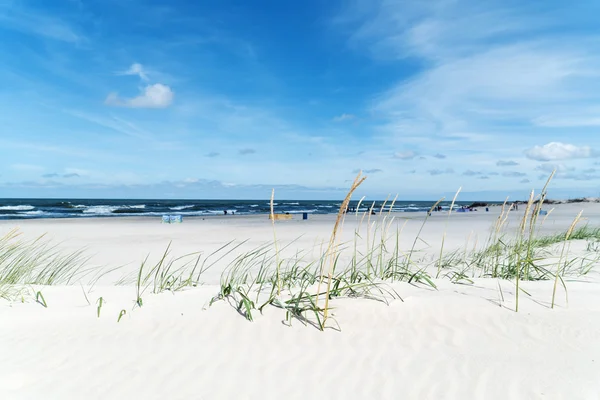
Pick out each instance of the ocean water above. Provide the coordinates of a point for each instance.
(82, 208)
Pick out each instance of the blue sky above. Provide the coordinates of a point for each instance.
(227, 99)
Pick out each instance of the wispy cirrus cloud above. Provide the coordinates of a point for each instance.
(478, 76)
(344, 117)
(17, 17)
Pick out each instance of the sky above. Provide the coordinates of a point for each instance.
(231, 98)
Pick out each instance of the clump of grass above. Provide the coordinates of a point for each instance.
(252, 280)
(35, 262)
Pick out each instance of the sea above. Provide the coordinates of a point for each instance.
(98, 208)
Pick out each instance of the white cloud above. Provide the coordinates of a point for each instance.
(405, 155)
(136, 69)
(154, 96)
(559, 151)
(344, 117)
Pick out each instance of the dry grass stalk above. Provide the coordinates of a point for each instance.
(562, 253)
(331, 250)
(383, 205)
(445, 229)
(539, 205)
(278, 277)
(520, 241)
(547, 215)
(358, 206)
(498, 224)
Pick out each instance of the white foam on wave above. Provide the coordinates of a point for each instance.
(292, 204)
(254, 205)
(17, 208)
(100, 209)
(37, 212)
(179, 208)
(139, 207)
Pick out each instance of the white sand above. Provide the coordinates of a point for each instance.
(457, 342)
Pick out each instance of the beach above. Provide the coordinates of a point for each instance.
(461, 338)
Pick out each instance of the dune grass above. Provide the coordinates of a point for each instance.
(35, 262)
(304, 287)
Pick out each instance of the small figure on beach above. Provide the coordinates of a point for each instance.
(224, 212)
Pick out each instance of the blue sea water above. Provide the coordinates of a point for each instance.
(81, 208)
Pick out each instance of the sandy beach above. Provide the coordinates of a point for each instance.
(461, 339)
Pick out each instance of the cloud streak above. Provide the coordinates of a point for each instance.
(344, 117)
(152, 96)
(138, 70)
